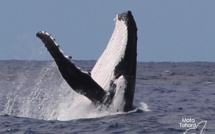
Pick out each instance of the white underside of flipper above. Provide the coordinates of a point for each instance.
(103, 71)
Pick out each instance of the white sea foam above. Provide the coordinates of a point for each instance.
(42, 93)
(143, 106)
(81, 107)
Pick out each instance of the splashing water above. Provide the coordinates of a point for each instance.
(37, 90)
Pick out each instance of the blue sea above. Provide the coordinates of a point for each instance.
(170, 98)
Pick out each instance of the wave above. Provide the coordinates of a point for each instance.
(37, 90)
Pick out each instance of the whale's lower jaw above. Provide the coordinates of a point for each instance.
(114, 72)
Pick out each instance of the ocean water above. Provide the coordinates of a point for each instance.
(170, 98)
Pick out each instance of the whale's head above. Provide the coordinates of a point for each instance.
(119, 59)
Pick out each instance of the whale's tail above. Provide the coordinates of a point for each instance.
(114, 72)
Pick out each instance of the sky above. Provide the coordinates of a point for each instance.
(168, 30)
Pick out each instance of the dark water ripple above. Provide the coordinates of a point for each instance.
(171, 90)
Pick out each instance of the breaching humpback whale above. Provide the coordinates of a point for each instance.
(113, 73)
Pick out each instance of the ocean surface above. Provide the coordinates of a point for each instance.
(170, 98)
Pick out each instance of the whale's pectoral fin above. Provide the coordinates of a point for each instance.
(80, 81)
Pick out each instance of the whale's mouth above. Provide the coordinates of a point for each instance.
(115, 71)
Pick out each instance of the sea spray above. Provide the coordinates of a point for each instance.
(36, 89)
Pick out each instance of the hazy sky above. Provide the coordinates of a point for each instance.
(168, 30)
